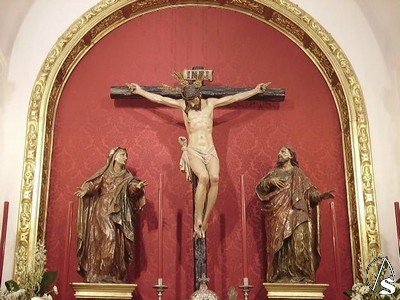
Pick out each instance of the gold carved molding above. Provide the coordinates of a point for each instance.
(282, 15)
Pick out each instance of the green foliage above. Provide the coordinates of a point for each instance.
(48, 278)
(36, 282)
(12, 286)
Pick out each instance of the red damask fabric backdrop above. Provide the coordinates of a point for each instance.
(242, 51)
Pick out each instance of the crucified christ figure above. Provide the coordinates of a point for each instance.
(201, 155)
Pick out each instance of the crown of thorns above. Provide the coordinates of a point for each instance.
(189, 89)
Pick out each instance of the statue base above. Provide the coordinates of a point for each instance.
(100, 291)
(284, 291)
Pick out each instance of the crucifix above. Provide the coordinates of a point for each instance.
(199, 157)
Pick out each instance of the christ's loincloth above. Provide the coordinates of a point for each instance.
(205, 157)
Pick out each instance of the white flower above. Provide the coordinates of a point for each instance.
(11, 295)
(357, 297)
(45, 297)
(356, 287)
(364, 290)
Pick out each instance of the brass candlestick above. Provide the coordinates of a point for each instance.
(203, 292)
(160, 287)
(246, 287)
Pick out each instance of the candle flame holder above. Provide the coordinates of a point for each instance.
(203, 292)
(160, 287)
(246, 287)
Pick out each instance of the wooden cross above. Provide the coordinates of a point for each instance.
(200, 74)
(270, 95)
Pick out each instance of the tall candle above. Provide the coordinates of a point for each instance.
(68, 238)
(244, 230)
(397, 215)
(160, 228)
(3, 237)
(335, 246)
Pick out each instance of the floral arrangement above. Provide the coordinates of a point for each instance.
(35, 283)
(361, 291)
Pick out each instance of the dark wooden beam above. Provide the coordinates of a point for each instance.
(270, 95)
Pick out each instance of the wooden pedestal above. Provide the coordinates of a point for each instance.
(285, 291)
(100, 291)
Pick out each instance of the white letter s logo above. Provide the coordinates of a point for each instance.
(386, 283)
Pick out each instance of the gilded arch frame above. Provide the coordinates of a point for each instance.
(282, 15)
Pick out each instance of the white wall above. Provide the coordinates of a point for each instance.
(365, 30)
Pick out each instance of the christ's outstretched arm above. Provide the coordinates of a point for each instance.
(136, 89)
(260, 88)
